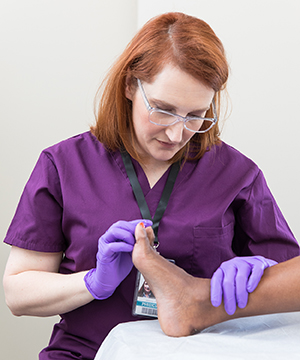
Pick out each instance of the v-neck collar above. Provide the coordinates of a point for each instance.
(189, 167)
(143, 180)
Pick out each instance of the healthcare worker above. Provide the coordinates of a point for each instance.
(154, 154)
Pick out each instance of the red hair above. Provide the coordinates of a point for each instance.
(177, 38)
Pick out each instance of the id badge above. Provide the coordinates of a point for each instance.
(144, 302)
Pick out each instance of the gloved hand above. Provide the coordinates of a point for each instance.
(235, 278)
(114, 260)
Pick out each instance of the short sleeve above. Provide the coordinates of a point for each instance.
(36, 224)
(261, 228)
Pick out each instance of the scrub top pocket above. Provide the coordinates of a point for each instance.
(211, 246)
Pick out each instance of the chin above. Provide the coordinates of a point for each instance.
(162, 156)
(165, 159)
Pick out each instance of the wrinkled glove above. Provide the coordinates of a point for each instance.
(235, 278)
(114, 260)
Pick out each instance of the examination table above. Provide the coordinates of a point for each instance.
(274, 337)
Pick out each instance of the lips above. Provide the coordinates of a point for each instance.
(167, 144)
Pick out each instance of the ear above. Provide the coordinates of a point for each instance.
(128, 87)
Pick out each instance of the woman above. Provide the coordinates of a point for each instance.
(156, 128)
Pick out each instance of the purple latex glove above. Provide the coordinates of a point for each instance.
(235, 278)
(114, 260)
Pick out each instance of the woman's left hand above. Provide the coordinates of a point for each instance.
(235, 278)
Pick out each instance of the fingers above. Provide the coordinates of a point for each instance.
(216, 288)
(124, 231)
(229, 282)
(259, 264)
(236, 275)
(235, 279)
(271, 262)
(119, 238)
(131, 225)
(223, 286)
(254, 279)
(111, 251)
(127, 227)
(243, 272)
(229, 288)
(119, 247)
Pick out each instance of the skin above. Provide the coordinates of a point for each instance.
(34, 287)
(31, 280)
(183, 301)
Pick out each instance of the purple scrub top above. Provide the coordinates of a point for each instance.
(220, 207)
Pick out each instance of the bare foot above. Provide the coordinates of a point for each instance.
(183, 302)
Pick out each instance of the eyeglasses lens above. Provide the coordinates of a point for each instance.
(164, 119)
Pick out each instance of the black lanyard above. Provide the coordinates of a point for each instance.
(140, 198)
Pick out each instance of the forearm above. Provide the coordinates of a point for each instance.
(41, 293)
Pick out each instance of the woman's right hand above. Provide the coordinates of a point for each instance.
(33, 285)
(114, 260)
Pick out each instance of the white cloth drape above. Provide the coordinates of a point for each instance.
(273, 337)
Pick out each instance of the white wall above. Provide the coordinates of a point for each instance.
(53, 56)
(261, 38)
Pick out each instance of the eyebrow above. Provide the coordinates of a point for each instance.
(170, 107)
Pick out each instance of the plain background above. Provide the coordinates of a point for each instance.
(54, 55)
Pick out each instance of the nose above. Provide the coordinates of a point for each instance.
(175, 132)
